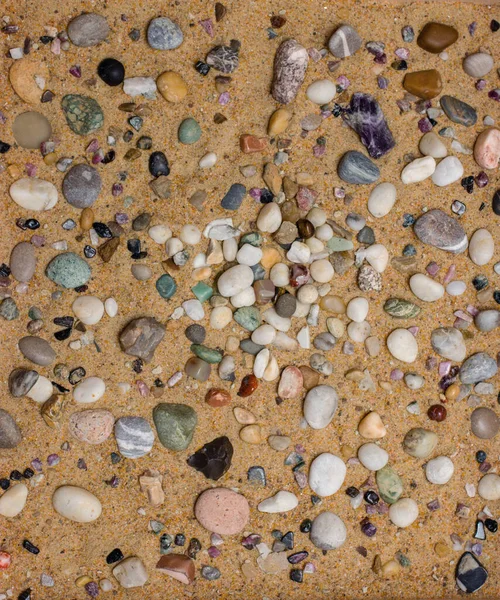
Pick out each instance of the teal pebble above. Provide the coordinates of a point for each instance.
(68, 270)
(207, 354)
(166, 286)
(202, 291)
(248, 317)
(253, 238)
(189, 131)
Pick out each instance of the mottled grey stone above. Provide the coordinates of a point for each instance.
(21, 381)
(141, 337)
(164, 34)
(458, 111)
(36, 349)
(436, 228)
(88, 30)
(175, 425)
(345, 41)
(234, 197)
(10, 434)
(82, 185)
(290, 65)
(134, 436)
(478, 367)
(357, 168)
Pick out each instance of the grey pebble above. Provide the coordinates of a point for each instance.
(250, 347)
(81, 186)
(234, 197)
(257, 475)
(141, 222)
(366, 236)
(37, 350)
(286, 305)
(324, 341)
(141, 337)
(321, 364)
(10, 434)
(210, 573)
(21, 381)
(357, 168)
(164, 34)
(195, 333)
(88, 29)
(23, 261)
(478, 367)
(436, 228)
(8, 309)
(458, 111)
(345, 41)
(487, 320)
(134, 436)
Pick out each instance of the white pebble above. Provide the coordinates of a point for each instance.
(235, 280)
(358, 332)
(280, 323)
(414, 381)
(425, 288)
(76, 504)
(272, 370)
(220, 317)
(314, 245)
(194, 309)
(481, 247)
(377, 256)
(326, 474)
(439, 470)
(307, 294)
(403, 512)
(320, 405)
(34, 194)
(431, 145)
(260, 363)
(381, 200)
(299, 253)
(316, 216)
(230, 249)
(42, 390)
(208, 161)
(173, 246)
(88, 309)
(456, 288)
(489, 487)
(263, 335)
(269, 219)
(357, 309)
(190, 235)
(282, 341)
(89, 390)
(418, 170)
(244, 298)
(449, 170)
(402, 345)
(304, 338)
(372, 457)
(136, 86)
(160, 233)
(249, 255)
(283, 501)
(13, 500)
(321, 91)
(301, 310)
(111, 307)
(280, 275)
(321, 270)
(324, 232)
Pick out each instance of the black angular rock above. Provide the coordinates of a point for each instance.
(365, 116)
(214, 459)
(470, 575)
(158, 164)
(495, 203)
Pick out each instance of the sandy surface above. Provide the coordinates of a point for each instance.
(68, 550)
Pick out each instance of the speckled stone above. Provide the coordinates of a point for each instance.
(69, 270)
(164, 34)
(223, 58)
(83, 114)
(436, 228)
(10, 434)
(88, 29)
(401, 309)
(175, 425)
(290, 66)
(82, 185)
(91, 426)
(357, 168)
(134, 436)
(141, 337)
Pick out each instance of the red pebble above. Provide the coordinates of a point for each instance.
(437, 412)
(5, 560)
(248, 386)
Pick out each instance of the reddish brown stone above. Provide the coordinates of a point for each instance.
(217, 397)
(249, 384)
(436, 37)
(251, 143)
(424, 84)
(178, 566)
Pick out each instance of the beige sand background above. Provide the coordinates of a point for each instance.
(68, 550)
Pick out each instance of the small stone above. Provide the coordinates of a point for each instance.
(321, 91)
(286, 305)
(10, 434)
(487, 149)
(22, 263)
(213, 459)
(251, 143)
(111, 71)
(197, 369)
(234, 197)
(81, 186)
(481, 247)
(424, 84)
(178, 566)
(166, 286)
(478, 65)
(137, 86)
(21, 381)
(164, 34)
(436, 37)
(131, 573)
(175, 425)
(401, 309)
(439, 470)
(403, 512)
(141, 337)
(470, 573)
(31, 129)
(381, 200)
(91, 426)
(189, 131)
(88, 29)
(449, 343)
(37, 350)
(279, 121)
(390, 485)
(485, 424)
(419, 442)
(344, 42)
(326, 474)
(13, 501)
(222, 511)
(223, 58)
(487, 320)
(320, 405)
(217, 398)
(76, 504)
(28, 79)
(279, 442)
(368, 279)
(418, 170)
(290, 65)
(281, 502)
(478, 367)
(449, 170)
(328, 531)
(134, 436)
(458, 111)
(356, 168)
(83, 114)
(172, 86)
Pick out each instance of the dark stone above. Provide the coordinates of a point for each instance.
(478, 367)
(290, 65)
(470, 574)
(214, 459)
(21, 381)
(114, 556)
(141, 337)
(458, 111)
(365, 116)
(366, 236)
(285, 305)
(111, 71)
(102, 230)
(257, 475)
(158, 164)
(195, 333)
(436, 228)
(495, 203)
(234, 197)
(250, 347)
(357, 168)
(82, 185)
(140, 223)
(223, 58)
(10, 434)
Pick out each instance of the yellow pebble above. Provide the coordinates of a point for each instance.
(14, 170)
(304, 179)
(251, 434)
(390, 568)
(86, 218)
(452, 391)
(441, 549)
(243, 416)
(279, 121)
(83, 580)
(346, 451)
(50, 159)
(171, 86)
(201, 273)
(270, 257)
(232, 344)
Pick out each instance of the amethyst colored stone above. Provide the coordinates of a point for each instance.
(290, 65)
(367, 119)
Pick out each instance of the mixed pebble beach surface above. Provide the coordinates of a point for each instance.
(250, 300)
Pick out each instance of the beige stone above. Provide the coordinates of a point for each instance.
(29, 79)
(371, 427)
(171, 86)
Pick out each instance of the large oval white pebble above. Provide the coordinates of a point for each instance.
(235, 280)
(402, 345)
(326, 474)
(76, 504)
(357, 309)
(321, 92)
(381, 200)
(13, 500)
(321, 270)
(403, 512)
(439, 470)
(88, 309)
(425, 288)
(481, 247)
(449, 170)
(320, 405)
(431, 145)
(418, 170)
(372, 457)
(89, 390)
(34, 194)
(269, 219)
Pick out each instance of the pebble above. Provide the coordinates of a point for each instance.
(449, 170)
(208, 160)
(458, 111)
(439, 470)
(456, 288)
(431, 145)
(389, 484)
(326, 474)
(10, 434)
(41, 391)
(320, 405)
(449, 343)
(344, 42)
(111, 71)
(21, 381)
(141, 337)
(489, 487)
(321, 91)
(419, 442)
(401, 309)
(418, 170)
(470, 573)
(424, 84)
(402, 345)
(189, 131)
(403, 512)
(131, 573)
(485, 424)
(269, 219)
(328, 531)
(373, 457)
(357, 168)
(281, 502)
(178, 566)
(22, 262)
(172, 86)
(34, 194)
(83, 114)
(175, 425)
(37, 350)
(436, 228)
(222, 511)
(487, 320)
(31, 129)
(481, 247)
(487, 149)
(88, 29)
(134, 436)
(89, 390)
(164, 34)
(425, 288)
(88, 309)
(478, 367)
(13, 500)
(140, 86)
(436, 37)
(478, 65)
(234, 197)
(382, 199)
(91, 426)
(235, 280)
(76, 504)
(68, 270)
(371, 426)
(278, 123)
(28, 79)
(82, 185)
(223, 58)
(290, 66)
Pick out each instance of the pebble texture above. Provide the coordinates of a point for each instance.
(134, 436)
(82, 185)
(437, 229)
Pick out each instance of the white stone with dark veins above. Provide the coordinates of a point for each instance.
(290, 65)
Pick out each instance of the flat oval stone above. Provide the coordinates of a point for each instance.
(403, 512)
(487, 148)
(436, 37)
(326, 474)
(13, 500)
(425, 288)
(134, 436)
(290, 65)
(418, 170)
(402, 345)
(419, 442)
(30, 129)
(357, 168)
(431, 145)
(478, 367)
(37, 350)
(82, 185)
(436, 228)
(175, 425)
(28, 79)
(89, 390)
(10, 434)
(449, 343)
(328, 531)
(401, 309)
(381, 200)
(76, 504)
(91, 426)
(164, 34)
(389, 484)
(23, 261)
(478, 65)
(88, 29)
(481, 247)
(222, 511)
(21, 381)
(35, 194)
(487, 320)
(189, 131)
(320, 405)
(68, 270)
(458, 111)
(291, 383)
(344, 42)
(489, 487)
(83, 114)
(424, 84)
(372, 456)
(484, 423)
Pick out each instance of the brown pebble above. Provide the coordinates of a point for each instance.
(251, 143)
(436, 37)
(249, 384)
(424, 84)
(107, 249)
(310, 377)
(217, 397)
(437, 412)
(86, 218)
(220, 11)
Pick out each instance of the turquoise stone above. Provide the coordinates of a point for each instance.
(253, 238)
(166, 286)
(202, 291)
(83, 114)
(69, 270)
(207, 354)
(189, 131)
(337, 244)
(248, 317)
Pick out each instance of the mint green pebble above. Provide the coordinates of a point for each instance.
(202, 291)
(248, 317)
(207, 354)
(166, 286)
(69, 270)
(337, 244)
(189, 131)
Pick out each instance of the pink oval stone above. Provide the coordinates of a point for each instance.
(291, 383)
(221, 510)
(91, 426)
(487, 148)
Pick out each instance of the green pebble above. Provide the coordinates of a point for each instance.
(189, 131)
(83, 114)
(207, 354)
(248, 317)
(202, 291)
(337, 244)
(401, 309)
(252, 238)
(35, 313)
(8, 309)
(166, 286)
(389, 483)
(175, 425)
(69, 270)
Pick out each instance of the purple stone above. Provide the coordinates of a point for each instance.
(53, 460)
(402, 53)
(297, 557)
(383, 82)
(208, 26)
(433, 505)
(472, 28)
(381, 59)
(366, 118)
(368, 528)
(76, 71)
(251, 541)
(375, 48)
(480, 84)
(224, 98)
(213, 552)
(92, 589)
(482, 179)
(494, 94)
(343, 82)
(425, 125)
(36, 463)
(117, 189)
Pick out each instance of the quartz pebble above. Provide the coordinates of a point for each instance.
(88, 309)
(177, 566)
(344, 42)
(481, 247)
(321, 91)
(372, 457)
(31, 129)
(76, 504)
(13, 500)
(402, 345)
(419, 442)
(449, 343)
(131, 573)
(328, 531)
(34, 194)
(403, 512)
(326, 474)
(281, 502)
(439, 470)
(487, 148)
(320, 405)
(448, 171)
(489, 487)
(425, 288)
(382, 199)
(431, 145)
(418, 170)
(89, 390)
(371, 426)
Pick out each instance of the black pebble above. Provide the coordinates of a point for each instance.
(28, 473)
(297, 575)
(76, 375)
(266, 196)
(134, 245)
(495, 203)
(109, 157)
(32, 224)
(89, 251)
(64, 321)
(4, 484)
(63, 334)
(158, 164)
(371, 497)
(102, 230)
(195, 333)
(305, 526)
(180, 539)
(25, 595)
(111, 71)
(27, 545)
(202, 68)
(287, 539)
(4, 147)
(15, 475)
(194, 547)
(494, 25)
(366, 236)
(114, 556)
(491, 525)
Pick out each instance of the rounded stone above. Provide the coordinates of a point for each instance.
(68, 270)
(328, 531)
(478, 65)
(344, 42)
(425, 288)
(88, 309)
(418, 170)
(439, 470)
(24, 77)
(23, 261)
(89, 390)
(222, 511)
(481, 247)
(431, 145)
(389, 484)
(10, 434)
(424, 84)
(357, 168)
(326, 474)
(320, 405)
(189, 131)
(484, 423)
(88, 29)
(34, 194)
(419, 442)
(487, 320)
(21, 381)
(382, 199)
(321, 91)
(478, 367)
(436, 228)
(76, 504)
(83, 114)
(487, 148)
(403, 512)
(449, 343)
(235, 280)
(134, 436)
(13, 500)
(371, 426)
(30, 129)
(41, 391)
(489, 487)
(403, 345)
(175, 425)
(449, 170)
(164, 34)
(111, 71)
(290, 66)
(82, 185)
(436, 37)
(172, 86)
(286, 305)
(91, 426)
(37, 350)
(372, 457)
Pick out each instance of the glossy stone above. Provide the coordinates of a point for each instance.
(356, 168)
(436, 37)
(175, 425)
(458, 111)
(436, 228)
(177, 566)
(470, 573)
(141, 337)
(21, 381)
(111, 71)
(424, 84)
(401, 309)
(197, 369)
(290, 65)
(213, 459)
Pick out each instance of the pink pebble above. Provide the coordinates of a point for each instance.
(223, 511)
(487, 148)
(291, 382)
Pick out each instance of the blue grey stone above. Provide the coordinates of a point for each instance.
(82, 185)
(164, 34)
(458, 111)
(357, 168)
(478, 367)
(234, 197)
(134, 436)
